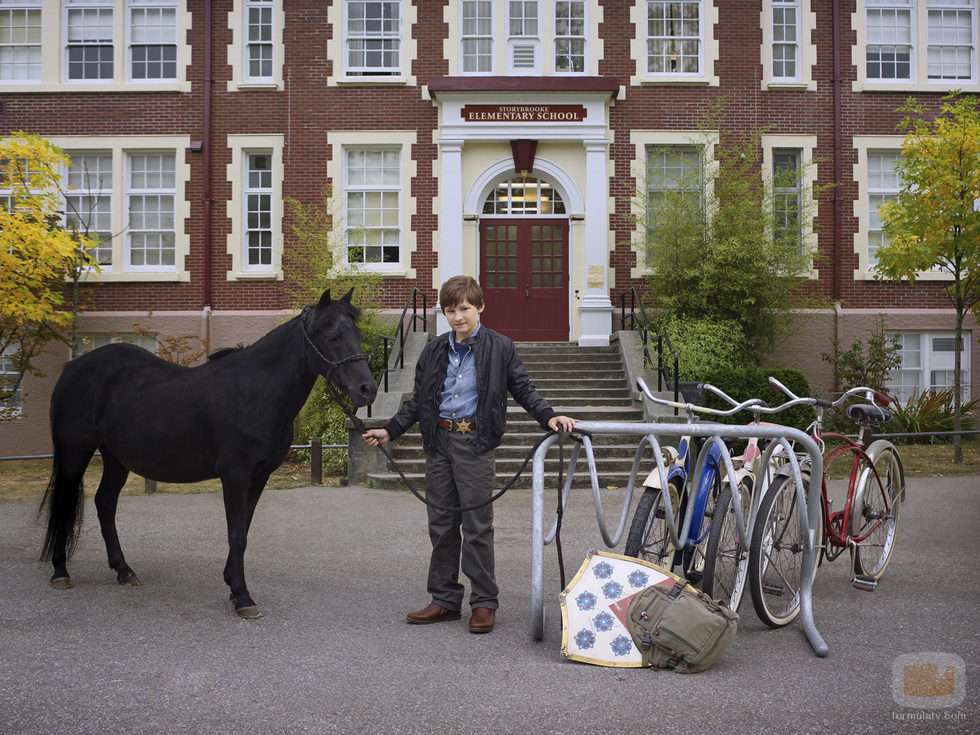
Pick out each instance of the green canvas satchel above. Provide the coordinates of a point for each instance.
(678, 627)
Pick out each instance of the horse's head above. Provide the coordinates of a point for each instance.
(334, 340)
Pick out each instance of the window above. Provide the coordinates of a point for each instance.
(927, 364)
(20, 41)
(918, 43)
(153, 39)
(673, 37)
(90, 37)
(785, 39)
(259, 47)
(89, 342)
(523, 196)
(883, 185)
(787, 195)
(88, 201)
(522, 40)
(258, 211)
(674, 171)
(10, 405)
(150, 196)
(373, 37)
(570, 27)
(372, 205)
(477, 36)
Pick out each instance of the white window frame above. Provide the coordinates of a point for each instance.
(17, 46)
(120, 148)
(149, 193)
(145, 7)
(395, 37)
(105, 9)
(806, 51)
(385, 190)
(92, 188)
(502, 43)
(921, 43)
(337, 48)
(806, 145)
(256, 48)
(930, 361)
(570, 38)
(88, 341)
(484, 35)
(13, 407)
(238, 49)
(708, 47)
(236, 209)
(524, 37)
(403, 141)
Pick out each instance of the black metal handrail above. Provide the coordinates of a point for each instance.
(383, 340)
(638, 321)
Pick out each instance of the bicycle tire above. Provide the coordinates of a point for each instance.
(649, 538)
(776, 554)
(726, 558)
(869, 506)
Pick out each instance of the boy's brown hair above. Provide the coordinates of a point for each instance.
(459, 289)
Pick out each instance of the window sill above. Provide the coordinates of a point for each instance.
(789, 86)
(254, 276)
(107, 87)
(107, 276)
(398, 81)
(680, 81)
(256, 86)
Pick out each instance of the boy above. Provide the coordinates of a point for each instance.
(460, 403)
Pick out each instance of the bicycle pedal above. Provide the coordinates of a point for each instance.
(864, 583)
(773, 589)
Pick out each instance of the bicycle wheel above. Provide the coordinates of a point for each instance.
(870, 507)
(726, 556)
(776, 554)
(649, 538)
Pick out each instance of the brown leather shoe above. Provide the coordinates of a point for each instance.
(431, 613)
(482, 620)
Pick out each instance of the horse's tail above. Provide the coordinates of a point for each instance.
(64, 505)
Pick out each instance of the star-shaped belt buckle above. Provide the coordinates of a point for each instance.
(463, 426)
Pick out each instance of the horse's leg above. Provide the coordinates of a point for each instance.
(64, 500)
(114, 476)
(235, 486)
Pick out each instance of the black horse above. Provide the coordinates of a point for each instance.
(231, 418)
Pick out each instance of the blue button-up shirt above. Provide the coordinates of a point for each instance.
(459, 396)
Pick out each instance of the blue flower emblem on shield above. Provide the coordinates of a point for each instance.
(585, 601)
(621, 645)
(603, 621)
(585, 638)
(638, 578)
(602, 570)
(612, 590)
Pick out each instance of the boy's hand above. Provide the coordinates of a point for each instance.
(564, 422)
(374, 437)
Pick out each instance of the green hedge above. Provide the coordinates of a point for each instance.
(752, 382)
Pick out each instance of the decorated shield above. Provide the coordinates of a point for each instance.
(594, 607)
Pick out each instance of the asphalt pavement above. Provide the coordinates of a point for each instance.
(334, 570)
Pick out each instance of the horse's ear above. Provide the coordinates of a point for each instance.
(324, 300)
(346, 296)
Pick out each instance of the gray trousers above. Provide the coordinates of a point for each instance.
(458, 477)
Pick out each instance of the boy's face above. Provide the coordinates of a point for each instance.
(463, 318)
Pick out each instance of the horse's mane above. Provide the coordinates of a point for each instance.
(218, 354)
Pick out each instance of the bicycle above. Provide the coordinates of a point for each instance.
(726, 552)
(866, 526)
(670, 501)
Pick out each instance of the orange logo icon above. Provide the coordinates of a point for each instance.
(924, 680)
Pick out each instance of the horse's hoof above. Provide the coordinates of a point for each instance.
(62, 583)
(249, 612)
(129, 580)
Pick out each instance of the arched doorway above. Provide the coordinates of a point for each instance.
(524, 260)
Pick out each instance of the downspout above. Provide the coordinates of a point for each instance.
(207, 296)
(835, 269)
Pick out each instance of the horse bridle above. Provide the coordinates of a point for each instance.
(334, 364)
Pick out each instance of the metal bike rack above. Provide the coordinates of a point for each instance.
(649, 433)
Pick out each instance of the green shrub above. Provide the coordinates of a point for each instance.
(928, 413)
(705, 345)
(753, 382)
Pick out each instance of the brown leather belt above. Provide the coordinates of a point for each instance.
(462, 426)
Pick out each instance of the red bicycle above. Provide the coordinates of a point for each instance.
(866, 525)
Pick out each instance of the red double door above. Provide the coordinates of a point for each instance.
(524, 274)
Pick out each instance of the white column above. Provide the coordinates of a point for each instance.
(450, 216)
(596, 308)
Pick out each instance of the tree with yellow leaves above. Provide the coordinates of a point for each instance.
(934, 222)
(37, 255)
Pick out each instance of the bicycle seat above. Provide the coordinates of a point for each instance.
(868, 414)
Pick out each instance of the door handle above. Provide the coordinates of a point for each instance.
(527, 293)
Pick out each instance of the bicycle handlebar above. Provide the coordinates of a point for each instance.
(752, 403)
(870, 393)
